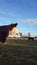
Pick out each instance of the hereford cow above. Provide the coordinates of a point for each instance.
(4, 31)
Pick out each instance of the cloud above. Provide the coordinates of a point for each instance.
(30, 21)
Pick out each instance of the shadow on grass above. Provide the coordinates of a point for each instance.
(18, 55)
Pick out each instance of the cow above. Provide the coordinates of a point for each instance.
(4, 31)
(30, 38)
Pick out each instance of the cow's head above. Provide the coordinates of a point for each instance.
(13, 29)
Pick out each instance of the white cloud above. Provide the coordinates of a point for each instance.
(30, 21)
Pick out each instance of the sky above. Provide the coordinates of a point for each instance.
(23, 12)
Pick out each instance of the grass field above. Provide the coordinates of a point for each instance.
(19, 52)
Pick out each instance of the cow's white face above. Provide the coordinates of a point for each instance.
(14, 31)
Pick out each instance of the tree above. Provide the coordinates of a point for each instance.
(20, 34)
(29, 35)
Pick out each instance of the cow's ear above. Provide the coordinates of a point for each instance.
(16, 24)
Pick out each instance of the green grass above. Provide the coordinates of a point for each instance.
(19, 52)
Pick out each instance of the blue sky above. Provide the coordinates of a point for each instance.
(24, 12)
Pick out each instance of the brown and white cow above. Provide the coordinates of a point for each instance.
(4, 31)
